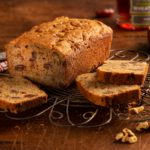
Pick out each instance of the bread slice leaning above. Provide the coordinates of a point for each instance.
(106, 94)
(18, 94)
(122, 72)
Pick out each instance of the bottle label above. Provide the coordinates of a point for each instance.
(140, 12)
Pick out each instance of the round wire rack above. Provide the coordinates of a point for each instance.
(67, 107)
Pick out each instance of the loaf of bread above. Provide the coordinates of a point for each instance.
(106, 94)
(122, 72)
(54, 53)
(18, 94)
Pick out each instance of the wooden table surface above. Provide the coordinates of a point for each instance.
(17, 16)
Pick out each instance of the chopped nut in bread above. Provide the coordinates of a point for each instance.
(126, 136)
(18, 94)
(122, 72)
(106, 94)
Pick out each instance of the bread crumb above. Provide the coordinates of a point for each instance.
(126, 136)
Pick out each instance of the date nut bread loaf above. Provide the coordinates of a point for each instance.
(18, 94)
(54, 53)
(106, 94)
(122, 72)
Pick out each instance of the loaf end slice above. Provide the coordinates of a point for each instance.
(106, 94)
(18, 94)
(122, 72)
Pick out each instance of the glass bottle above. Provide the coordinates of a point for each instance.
(133, 14)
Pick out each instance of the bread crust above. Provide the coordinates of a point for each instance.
(23, 106)
(90, 56)
(78, 51)
(110, 100)
(122, 78)
(19, 94)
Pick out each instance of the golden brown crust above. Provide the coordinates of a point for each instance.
(90, 56)
(81, 45)
(145, 74)
(123, 97)
(18, 94)
(122, 78)
(119, 78)
(23, 106)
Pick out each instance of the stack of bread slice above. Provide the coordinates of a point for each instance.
(115, 82)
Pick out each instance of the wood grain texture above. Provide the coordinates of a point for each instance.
(18, 16)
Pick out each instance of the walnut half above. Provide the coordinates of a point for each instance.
(126, 136)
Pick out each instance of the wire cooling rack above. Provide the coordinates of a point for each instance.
(67, 107)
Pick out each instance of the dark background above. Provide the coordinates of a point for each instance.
(17, 16)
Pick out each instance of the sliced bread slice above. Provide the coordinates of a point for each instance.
(106, 94)
(18, 94)
(122, 72)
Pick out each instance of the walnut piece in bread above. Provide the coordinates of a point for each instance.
(18, 94)
(122, 72)
(54, 53)
(106, 94)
